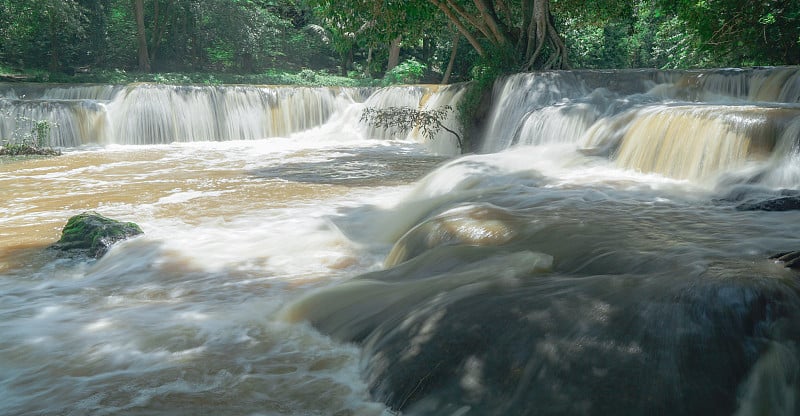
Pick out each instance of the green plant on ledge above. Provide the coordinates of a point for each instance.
(35, 142)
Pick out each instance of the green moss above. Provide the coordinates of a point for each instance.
(94, 233)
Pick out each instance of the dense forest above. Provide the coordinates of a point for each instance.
(400, 40)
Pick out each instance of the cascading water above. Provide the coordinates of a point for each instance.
(160, 114)
(607, 252)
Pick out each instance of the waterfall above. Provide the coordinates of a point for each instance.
(392, 97)
(519, 94)
(157, 114)
(753, 84)
(153, 114)
(651, 121)
(443, 142)
(694, 142)
(783, 170)
(147, 114)
(691, 125)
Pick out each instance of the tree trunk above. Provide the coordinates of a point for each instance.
(155, 35)
(347, 60)
(533, 30)
(471, 38)
(368, 66)
(449, 70)
(144, 56)
(542, 30)
(394, 53)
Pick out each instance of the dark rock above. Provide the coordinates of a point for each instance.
(470, 340)
(94, 234)
(786, 203)
(789, 259)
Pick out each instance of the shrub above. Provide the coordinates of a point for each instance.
(407, 72)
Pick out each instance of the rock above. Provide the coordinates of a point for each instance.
(789, 259)
(786, 203)
(477, 225)
(94, 234)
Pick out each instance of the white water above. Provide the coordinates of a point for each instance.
(594, 243)
(182, 320)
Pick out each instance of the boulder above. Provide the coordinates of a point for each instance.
(476, 225)
(94, 234)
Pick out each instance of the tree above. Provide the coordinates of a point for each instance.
(42, 33)
(372, 25)
(743, 32)
(516, 32)
(141, 36)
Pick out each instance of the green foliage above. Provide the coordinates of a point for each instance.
(407, 72)
(46, 33)
(220, 35)
(307, 77)
(357, 26)
(651, 37)
(84, 40)
(738, 32)
(484, 73)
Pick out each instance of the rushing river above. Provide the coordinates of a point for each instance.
(606, 251)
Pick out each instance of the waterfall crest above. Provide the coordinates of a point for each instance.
(691, 125)
(158, 114)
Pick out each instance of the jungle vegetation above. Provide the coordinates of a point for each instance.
(326, 41)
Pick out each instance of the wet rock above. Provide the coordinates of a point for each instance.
(518, 339)
(786, 203)
(748, 197)
(476, 225)
(789, 259)
(94, 234)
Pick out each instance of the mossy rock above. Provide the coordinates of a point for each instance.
(94, 234)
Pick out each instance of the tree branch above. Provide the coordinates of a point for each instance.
(405, 118)
(477, 23)
(460, 26)
(489, 17)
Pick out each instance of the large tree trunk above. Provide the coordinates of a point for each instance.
(155, 38)
(394, 53)
(144, 56)
(541, 31)
(532, 33)
(162, 19)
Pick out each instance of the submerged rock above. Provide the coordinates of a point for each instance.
(785, 203)
(94, 234)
